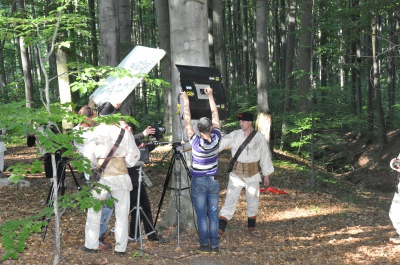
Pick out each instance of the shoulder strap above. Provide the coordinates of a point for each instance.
(112, 151)
(243, 145)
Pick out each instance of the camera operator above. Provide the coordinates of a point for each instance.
(32, 140)
(144, 199)
(394, 212)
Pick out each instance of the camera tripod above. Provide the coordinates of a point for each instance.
(139, 212)
(177, 156)
(62, 165)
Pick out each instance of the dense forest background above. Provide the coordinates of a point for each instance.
(320, 76)
(311, 65)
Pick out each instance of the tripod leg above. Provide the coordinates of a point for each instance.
(73, 176)
(167, 179)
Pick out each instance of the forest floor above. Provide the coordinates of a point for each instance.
(337, 222)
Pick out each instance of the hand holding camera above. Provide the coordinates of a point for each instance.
(395, 164)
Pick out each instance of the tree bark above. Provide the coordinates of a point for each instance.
(305, 42)
(164, 39)
(25, 64)
(264, 118)
(219, 38)
(189, 46)
(377, 86)
(290, 57)
(108, 31)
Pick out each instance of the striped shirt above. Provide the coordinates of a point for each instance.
(205, 154)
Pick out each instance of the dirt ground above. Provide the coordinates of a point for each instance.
(336, 223)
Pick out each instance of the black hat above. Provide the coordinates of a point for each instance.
(245, 116)
(106, 109)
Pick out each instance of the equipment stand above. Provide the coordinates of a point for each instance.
(63, 163)
(139, 210)
(178, 183)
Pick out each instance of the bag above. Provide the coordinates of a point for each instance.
(96, 174)
(144, 154)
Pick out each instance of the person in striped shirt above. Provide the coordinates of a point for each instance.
(204, 187)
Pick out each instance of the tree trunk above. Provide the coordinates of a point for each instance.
(377, 85)
(63, 83)
(305, 41)
(165, 44)
(93, 31)
(189, 46)
(125, 32)
(108, 31)
(391, 67)
(26, 67)
(290, 57)
(219, 38)
(264, 118)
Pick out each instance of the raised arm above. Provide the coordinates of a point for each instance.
(214, 111)
(186, 115)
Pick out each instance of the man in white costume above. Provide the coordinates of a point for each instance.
(245, 173)
(116, 177)
(2, 150)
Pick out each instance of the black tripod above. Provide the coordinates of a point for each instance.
(61, 186)
(178, 182)
(139, 211)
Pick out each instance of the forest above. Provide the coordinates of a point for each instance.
(321, 76)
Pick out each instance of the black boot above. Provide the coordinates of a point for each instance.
(222, 224)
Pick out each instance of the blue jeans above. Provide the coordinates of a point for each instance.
(205, 197)
(106, 214)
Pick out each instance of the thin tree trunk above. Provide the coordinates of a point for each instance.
(377, 86)
(290, 56)
(25, 64)
(163, 25)
(305, 41)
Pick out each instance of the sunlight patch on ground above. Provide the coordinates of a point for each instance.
(306, 212)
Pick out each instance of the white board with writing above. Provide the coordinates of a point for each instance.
(139, 61)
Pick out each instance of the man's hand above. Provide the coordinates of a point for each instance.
(208, 91)
(149, 130)
(266, 181)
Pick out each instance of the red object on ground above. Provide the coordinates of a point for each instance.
(272, 190)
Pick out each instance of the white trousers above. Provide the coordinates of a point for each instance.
(1, 161)
(92, 227)
(235, 186)
(394, 212)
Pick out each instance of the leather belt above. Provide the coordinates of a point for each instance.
(245, 170)
(115, 167)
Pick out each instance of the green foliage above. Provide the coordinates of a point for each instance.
(14, 233)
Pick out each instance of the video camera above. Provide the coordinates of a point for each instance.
(160, 130)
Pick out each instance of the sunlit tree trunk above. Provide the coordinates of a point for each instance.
(264, 118)
(63, 82)
(25, 64)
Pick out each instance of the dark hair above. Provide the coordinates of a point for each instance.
(87, 111)
(204, 125)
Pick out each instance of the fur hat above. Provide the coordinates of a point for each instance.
(245, 116)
